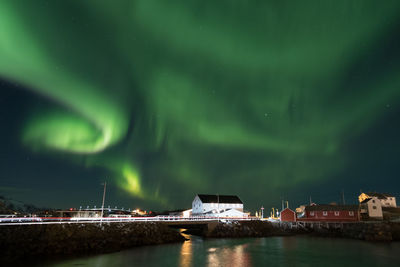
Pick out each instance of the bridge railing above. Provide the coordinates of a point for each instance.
(160, 218)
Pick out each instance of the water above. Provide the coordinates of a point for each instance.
(273, 251)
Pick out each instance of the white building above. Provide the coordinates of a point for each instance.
(372, 206)
(217, 205)
(386, 200)
(231, 213)
(181, 213)
(187, 213)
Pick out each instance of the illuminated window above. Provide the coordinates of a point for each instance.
(336, 213)
(325, 213)
(351, 213)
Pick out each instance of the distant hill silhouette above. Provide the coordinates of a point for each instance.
(10, 206)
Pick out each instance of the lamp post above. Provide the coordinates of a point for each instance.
(102, 205)
(262, 212)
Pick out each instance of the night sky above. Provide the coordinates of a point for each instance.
(268, 100)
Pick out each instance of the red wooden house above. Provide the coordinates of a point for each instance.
(288, 215)
(331, 213)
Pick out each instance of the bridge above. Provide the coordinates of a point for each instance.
(173, 221)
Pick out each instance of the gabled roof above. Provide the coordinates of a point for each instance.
(331, 207)
(365, 200)
(378, 195)
(219, 199)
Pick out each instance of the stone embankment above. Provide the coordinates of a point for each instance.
(371, 231)
(246, 229)
(23, 242)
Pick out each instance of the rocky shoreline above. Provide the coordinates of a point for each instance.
(371, 231)
(246, 229)
(54, 241)
(375, 231)
(48, 241)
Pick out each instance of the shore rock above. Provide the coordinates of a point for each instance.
(23, 242)
(246, 229)
(371, 231)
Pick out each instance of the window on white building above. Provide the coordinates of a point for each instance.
(325, 213)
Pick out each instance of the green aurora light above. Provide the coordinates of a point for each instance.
(263, 94)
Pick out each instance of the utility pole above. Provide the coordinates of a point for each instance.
(310, 201)
(262, 212)
(282, 205)
(102, 205)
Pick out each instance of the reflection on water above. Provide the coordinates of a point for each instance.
(221, 256)
(273, 251)
(185, 259)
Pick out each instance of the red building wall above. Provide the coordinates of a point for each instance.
(330, 215)
(288, 215)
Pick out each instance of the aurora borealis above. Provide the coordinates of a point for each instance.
(166, 99)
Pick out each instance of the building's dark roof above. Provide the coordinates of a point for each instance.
(378, 195)
(219, 199)
(366, 200)
(331, 207)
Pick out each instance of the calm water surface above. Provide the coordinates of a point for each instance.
(273, 251)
